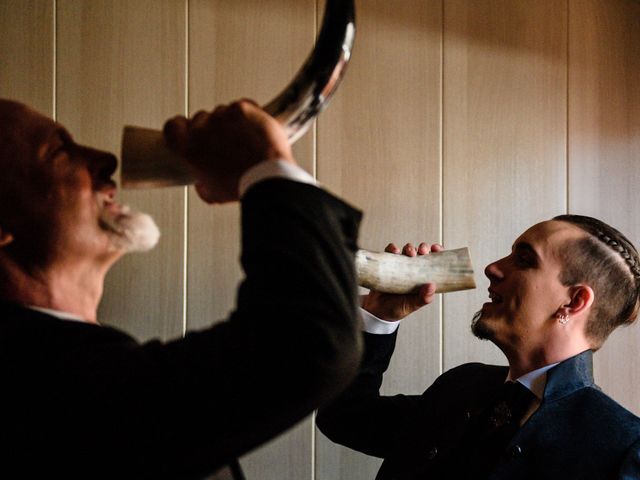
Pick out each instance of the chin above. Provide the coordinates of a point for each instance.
(130, 231)
(481, 327)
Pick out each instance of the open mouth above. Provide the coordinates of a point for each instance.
(111, 211)
(107, 199)
(114, 207)
(495, 298)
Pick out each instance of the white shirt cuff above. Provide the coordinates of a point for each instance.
(273, 169)
(373, 324)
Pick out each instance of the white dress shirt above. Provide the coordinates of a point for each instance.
(56, 313)
(273, 169)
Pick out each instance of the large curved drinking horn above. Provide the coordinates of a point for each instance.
(147, 162)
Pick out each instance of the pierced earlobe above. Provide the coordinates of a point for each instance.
(563, 318)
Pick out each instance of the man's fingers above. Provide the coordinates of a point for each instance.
(175, 132)
(391, 248)
(250, 101)
(423, 248)
(409, 250)
(427, 293)
(200, 118)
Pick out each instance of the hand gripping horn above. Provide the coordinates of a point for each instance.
(147, 162)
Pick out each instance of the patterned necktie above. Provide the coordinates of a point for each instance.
(495, 427)
(513, 403)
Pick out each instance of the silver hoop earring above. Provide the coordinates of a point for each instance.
(563, 318)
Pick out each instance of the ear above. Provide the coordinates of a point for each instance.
(5, 238)
(581, 299)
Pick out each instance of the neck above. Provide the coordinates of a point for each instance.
(73, 289)
(523, 361)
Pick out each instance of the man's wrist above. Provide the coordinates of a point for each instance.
(375, 325)
(273, 169)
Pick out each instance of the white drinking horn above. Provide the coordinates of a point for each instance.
(146, 160)
(450, 270)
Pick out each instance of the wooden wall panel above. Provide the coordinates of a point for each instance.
(504, 140)
(453, 106)
(122, 63)
(379, 147)
(26, 53)
(244, 48)
(604, 148)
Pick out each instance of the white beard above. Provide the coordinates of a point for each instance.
(132, 231)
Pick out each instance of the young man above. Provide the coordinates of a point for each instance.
(80, 400)
(567, 284)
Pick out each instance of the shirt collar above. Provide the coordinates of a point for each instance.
(56, 313)
(536, 380)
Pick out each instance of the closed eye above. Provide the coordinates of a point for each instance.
(524, 261)
(525, 255)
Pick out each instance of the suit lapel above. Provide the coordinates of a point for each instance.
(568, 376)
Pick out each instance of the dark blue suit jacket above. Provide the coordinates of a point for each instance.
(577, 432)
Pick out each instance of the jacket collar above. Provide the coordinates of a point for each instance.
(570, 375)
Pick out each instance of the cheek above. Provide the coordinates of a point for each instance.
(77, 196)
(536, 301)
(525, 302)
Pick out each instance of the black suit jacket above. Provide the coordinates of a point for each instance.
(576, 433)
(84, 401)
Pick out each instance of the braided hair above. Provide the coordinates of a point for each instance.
(608, 262)
(631, 258)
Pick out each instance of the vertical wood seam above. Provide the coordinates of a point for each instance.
(567, 147)
(54, 59)
(441, 311)
(185, 226)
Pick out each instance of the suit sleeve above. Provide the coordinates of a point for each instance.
(291, 345)
(361, 418)
(630, 469)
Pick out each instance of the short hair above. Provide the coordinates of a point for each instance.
(609, 263)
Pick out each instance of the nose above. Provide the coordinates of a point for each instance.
(494, 270)
(102, 165)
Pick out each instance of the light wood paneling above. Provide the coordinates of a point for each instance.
(604, 148)
(504, 140)
(244, 48)
(497, 84)
(26, 53)
(123, 62)
(379, 147)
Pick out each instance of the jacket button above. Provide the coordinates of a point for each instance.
(515, 451)
(432, 453)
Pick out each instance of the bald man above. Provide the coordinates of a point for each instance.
(82, 400)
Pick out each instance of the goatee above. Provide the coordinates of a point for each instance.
(132, 231)
(480, 328)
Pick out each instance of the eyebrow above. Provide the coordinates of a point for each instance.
(59, 133)
(64, 135)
